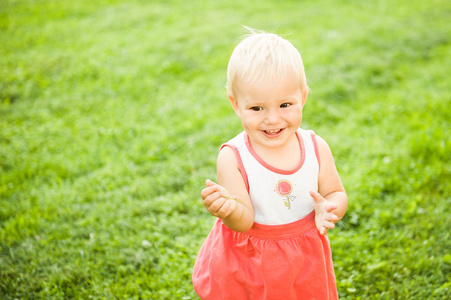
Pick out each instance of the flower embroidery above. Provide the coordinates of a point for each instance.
(284, 188)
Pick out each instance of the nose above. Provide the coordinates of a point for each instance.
(272, 117)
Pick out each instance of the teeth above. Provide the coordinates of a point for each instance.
(272, 131)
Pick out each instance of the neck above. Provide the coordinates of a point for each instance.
(285, 157)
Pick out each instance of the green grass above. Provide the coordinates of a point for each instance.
(112, 112)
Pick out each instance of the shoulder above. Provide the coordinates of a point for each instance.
(236, 141)
(325, 154)
(229, 163)
(322, 149)
(229, 152)
(227, 155)
(322, 144)
(230, 169)
(310, 135)
(319, 143)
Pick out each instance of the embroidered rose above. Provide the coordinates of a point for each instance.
(284, 188)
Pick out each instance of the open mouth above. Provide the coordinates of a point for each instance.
(273, 132)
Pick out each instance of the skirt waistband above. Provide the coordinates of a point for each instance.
(289, 230)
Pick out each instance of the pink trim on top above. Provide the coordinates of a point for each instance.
(240, 163)
(274, 169)
(315, 145)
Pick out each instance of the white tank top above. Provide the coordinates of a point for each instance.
(278, 196)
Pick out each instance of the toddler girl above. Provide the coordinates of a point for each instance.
(278, 189)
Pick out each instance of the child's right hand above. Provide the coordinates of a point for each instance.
(217, 200)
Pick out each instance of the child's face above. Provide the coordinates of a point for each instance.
(270, 110)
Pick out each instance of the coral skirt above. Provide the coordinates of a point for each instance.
(290, 261)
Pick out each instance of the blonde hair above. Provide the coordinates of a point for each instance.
(263, 55)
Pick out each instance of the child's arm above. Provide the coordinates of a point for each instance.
(236, 211)
(331, 202)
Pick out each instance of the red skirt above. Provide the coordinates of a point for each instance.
(290, 261)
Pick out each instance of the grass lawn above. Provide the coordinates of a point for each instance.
(112, 113)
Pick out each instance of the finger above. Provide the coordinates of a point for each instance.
(208, 190)
(330, 206)
(205, 192)
(208, 182)
(212, 197)
(329, 225)
(317, 197)
(225, 193)
(215, 206)
(332, 217)
(226, 209)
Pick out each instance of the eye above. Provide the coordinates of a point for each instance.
(256, 108)
(283, 105)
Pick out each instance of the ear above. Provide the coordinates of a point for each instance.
(234, 105)
(304, 97)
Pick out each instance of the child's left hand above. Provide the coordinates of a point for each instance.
(324, 218)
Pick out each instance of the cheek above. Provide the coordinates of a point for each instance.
(249, 121)
(295, 115)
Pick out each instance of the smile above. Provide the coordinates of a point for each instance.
(273, 132)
